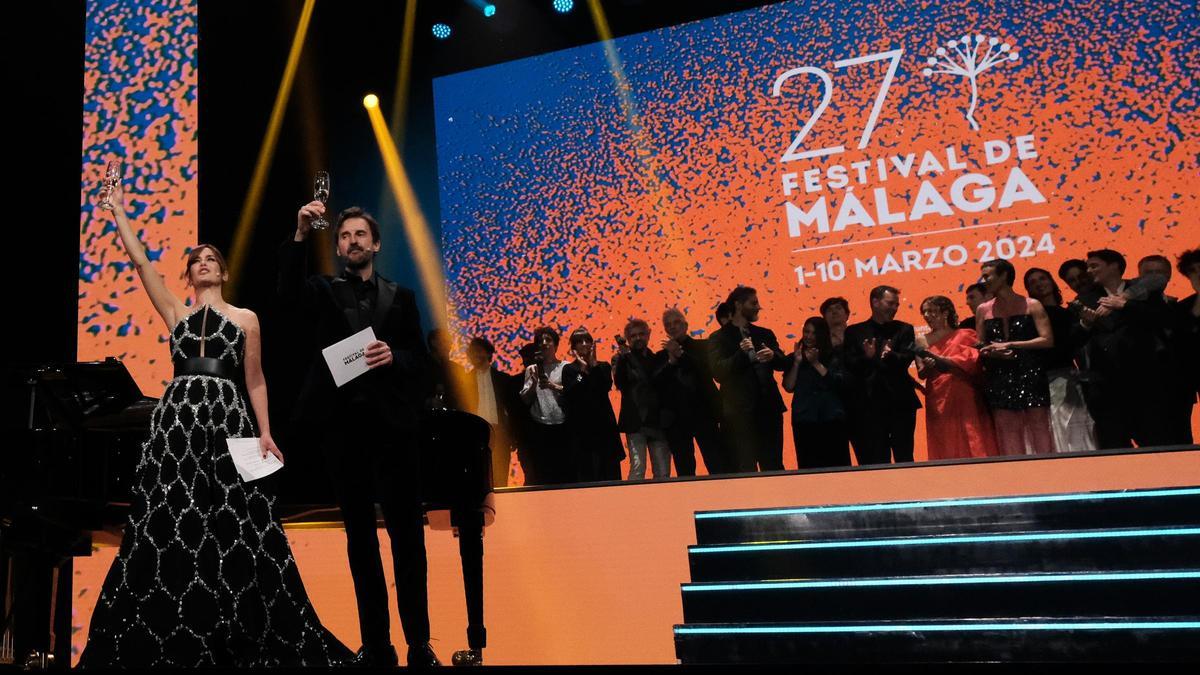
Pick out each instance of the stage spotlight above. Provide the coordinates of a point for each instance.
(564, 6)
(240, 247)
(441, 31)
(489, 10)
(370, 101)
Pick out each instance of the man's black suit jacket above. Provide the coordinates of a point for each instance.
(881, 382)
(747, 385)
(688, 386)
(390, 395)
(1129, 343)
(639, 378)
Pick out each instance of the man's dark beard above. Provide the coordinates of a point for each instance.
(355, 267)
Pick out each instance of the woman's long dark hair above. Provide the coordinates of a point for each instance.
(824, 339)
(1058, 297)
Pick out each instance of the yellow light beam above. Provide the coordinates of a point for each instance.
(416, 228)
(403, 74)
(239, 250)
(315, 156)
(657, 193)
(614, 61)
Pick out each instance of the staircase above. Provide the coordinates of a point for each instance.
(1103, 576)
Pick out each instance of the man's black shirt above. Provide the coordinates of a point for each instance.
(365, 293)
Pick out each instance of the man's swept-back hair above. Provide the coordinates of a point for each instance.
(740, 294)
(878, 292)
(358, 212)
(1109, 256)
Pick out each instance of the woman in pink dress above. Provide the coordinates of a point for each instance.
(957, 422)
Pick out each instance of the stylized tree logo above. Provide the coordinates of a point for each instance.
(969, 64)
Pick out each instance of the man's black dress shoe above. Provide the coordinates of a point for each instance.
(422, 656)
(375, 657)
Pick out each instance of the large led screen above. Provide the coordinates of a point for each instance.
(813, 149)
(139, 106)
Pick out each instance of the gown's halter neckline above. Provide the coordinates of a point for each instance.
(203, 330)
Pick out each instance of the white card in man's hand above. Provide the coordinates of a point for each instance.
(348, 359)
(247, 457)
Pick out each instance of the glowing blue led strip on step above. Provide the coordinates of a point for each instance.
(943, 581)
(952, 539)
(942, 627)
(941, 503)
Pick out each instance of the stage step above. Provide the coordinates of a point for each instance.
(1118, 509)
(1108, 576)
(1077, 639)
(932, 598)
(1069, 551)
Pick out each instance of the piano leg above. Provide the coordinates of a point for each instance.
(37, 610)
(470, 549)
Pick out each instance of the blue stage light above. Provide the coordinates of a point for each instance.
(942, 627)
(943, 503)
(564, 6)
(441, 31)
(962, 580)
(486, 8)
(949, 539)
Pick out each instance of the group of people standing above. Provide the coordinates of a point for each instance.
(205, 576)
(1017, 375)
(1114, 368)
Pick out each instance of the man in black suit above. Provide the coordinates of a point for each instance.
(1128, 350)
(1185, 335)
(745, 358)
(883, 402)
(644, 419)
(493, 396)
(364, 424)
(688, 387)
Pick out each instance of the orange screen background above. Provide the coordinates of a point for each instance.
(613, 180)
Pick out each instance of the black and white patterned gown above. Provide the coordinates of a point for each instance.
(204, 576)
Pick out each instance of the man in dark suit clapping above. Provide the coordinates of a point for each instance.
(1128, 351)
(689, 389)
(883, 400)
(745, 358)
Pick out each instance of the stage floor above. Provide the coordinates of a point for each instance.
(591, 575)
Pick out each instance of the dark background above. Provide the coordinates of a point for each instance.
(352, 49)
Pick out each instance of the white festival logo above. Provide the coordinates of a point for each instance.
(970, 63)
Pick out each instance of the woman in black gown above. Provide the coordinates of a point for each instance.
(204, 576)
(594, 435)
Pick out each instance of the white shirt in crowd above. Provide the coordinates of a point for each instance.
(546, 408)
(486, 407)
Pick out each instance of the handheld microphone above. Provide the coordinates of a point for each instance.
(746, 334)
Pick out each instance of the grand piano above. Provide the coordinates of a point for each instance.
(70, 448)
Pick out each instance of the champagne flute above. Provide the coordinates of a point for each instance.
(112, 177)
(321, 194)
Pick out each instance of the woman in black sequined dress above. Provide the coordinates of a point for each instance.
(1013, 329)
(205, 575)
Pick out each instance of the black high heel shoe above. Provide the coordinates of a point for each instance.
(468, 657)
